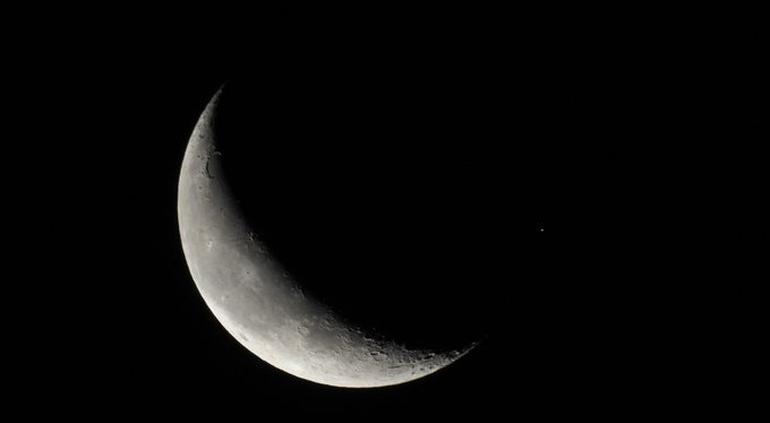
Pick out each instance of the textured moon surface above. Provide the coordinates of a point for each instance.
(260, 304)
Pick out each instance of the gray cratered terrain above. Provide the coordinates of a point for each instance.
(260, 304)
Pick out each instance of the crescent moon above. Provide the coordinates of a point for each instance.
(261, 305)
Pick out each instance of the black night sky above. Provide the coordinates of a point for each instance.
(591, 204)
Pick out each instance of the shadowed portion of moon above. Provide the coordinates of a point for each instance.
(321, 257)
(379, 212)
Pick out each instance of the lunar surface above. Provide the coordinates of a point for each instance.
(260, 304)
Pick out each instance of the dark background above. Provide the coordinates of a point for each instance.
(590, 201)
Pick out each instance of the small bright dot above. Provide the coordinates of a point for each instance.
(541, 229)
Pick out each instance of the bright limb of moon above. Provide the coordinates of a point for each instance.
(261, 305)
